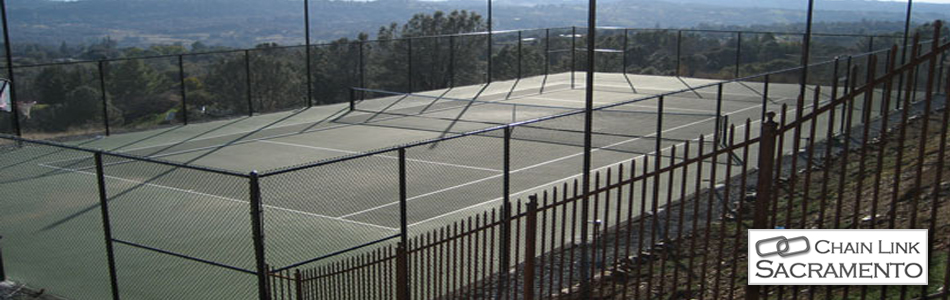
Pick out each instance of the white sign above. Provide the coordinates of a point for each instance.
(838, 257)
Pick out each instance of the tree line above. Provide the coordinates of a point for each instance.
(142, 93)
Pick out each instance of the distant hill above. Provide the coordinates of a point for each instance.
(244, 23)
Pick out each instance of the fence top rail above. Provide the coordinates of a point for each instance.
(304, 166)
(124, 155)
(477, 33)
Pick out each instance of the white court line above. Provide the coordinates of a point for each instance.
(343, 111)
(220, 197)
(572, 176)
(385, 156)
(535, 166)
(631, 105)
(239, 142)
(689, 89)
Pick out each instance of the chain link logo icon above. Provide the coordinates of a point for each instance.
(783, 246)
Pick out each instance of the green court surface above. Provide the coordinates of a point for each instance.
(51, 198)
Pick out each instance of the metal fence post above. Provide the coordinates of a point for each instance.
(738, 52)
(247, 83)
(679, 49)
(519, 53)
(763, 184)
(104, 94)
(9, 57)
(530, 240)
(452, 61)
(362, 66)
(352, 99)
(106, 224)
(257, 227)
(184, 97)
(402, 272)
(624, 55)
(573, 53)
(871, 43)
(409, 81)
(403, 217)
(3, 273)
(504, 243)
(306, 17)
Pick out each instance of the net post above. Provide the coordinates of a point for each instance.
(738, 53)
(530, 240)
(679, 48)
(104, 95)
(763, 184)
(106, 224)
(247, 83)
(659, 129)
(352, 99)
(184, 97)
(257, 225)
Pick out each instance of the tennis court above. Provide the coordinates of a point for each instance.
(314, 211)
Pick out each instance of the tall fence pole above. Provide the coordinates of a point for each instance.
(625, 44)
(763, 194)
(738, 53)
(573, 53)
(247, 83)
(490, 33)
(679, 51)
(362, 60)
(106, 224)
(257, 227)
(504, 244)
(519, 53)
(409, 54)
(588, 129)
(184, 97)
(104, 95)
(306, 18)
(402, 251)
(530, 240)
(9, 56)
(806, 53)
(3, 273)
(452, 61)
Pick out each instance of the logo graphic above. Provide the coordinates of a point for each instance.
(782, 246)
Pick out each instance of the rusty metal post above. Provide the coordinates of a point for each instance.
(764, 184)
(402, 272)
(530, 240)
(298, 284)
